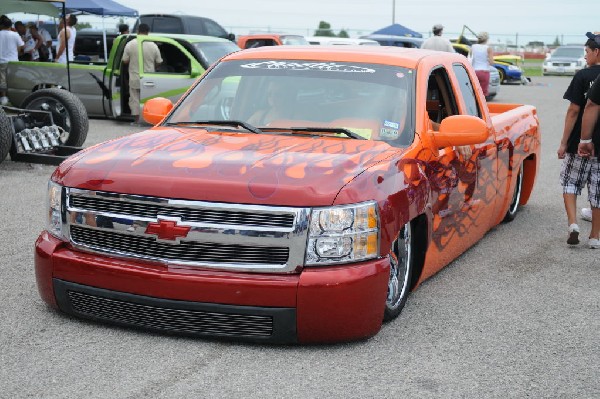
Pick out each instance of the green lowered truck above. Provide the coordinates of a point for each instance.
(103, 87)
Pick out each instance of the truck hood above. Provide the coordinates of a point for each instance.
(287, 170)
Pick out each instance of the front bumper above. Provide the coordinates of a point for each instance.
(326, 304)
(564, 70)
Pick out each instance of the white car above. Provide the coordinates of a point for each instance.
(494, 86)
(564, 60)
(336, 41)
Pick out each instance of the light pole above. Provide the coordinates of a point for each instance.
(393, 12)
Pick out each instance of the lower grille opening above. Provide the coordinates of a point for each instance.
(170, 319)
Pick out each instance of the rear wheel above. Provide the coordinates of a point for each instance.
(67, 111)
(516, 198)
(401, 267)
(5, 134)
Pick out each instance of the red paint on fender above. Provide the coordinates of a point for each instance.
(342, 303)
(45, 246)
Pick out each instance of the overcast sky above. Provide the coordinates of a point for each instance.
(502, 18)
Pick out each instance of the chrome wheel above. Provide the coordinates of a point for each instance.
(400, 271)
(514, 204)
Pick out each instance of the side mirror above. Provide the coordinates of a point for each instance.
(195, 72)
(231, 37)
(156, 109)
(459, 130)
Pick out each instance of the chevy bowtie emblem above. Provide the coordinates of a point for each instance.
(167, 230)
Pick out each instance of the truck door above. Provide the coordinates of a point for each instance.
(173, 77)
(458, 198)
(116, 79)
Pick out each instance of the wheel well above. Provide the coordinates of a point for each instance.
(529, 173)
(421, 240)
(46, 86)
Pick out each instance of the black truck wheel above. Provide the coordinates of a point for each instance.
(67, 111)
(5, 134)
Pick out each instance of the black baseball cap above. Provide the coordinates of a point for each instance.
(594, 36)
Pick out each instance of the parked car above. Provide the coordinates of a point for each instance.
(396, 41)
(269, 39)
(509, 69)
(185, 24)
(564, 60)
(336, 41)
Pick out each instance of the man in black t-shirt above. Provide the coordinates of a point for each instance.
(575, 171)
(589, 147)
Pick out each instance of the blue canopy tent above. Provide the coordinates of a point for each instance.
(105, 8)
(394, 29)
(100, 7)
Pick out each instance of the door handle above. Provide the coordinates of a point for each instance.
(148, 84)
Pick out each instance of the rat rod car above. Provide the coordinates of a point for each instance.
(294, 194)
(55, 129)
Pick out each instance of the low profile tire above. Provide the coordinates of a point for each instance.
(67, 111)
(402, 258)
(5, 135)
(516, 197)
(502, 76)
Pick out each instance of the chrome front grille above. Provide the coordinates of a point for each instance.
(190, 233)
(185, 251)
(145, 209)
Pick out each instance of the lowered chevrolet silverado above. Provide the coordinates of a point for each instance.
(293, 195)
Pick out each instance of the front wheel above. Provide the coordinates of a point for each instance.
(67, 112)
(401, 267)
(516, 198)
(502, 76)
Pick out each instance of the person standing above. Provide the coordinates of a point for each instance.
(575, 171)
(437, 42)
(47, 42)
(151, 59)
(482, 58)
(11, 45)
(123, 29)
(33, 41)
(589, 144)
(66, 39)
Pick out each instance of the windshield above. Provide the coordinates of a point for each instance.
(211, 52)
(293, 40)
(569, 52)
(373, 101)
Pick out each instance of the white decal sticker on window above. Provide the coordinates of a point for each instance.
(305, 66)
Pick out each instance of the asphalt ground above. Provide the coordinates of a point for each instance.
(517, 315)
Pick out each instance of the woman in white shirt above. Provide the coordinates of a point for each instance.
(66, 30)
(481, 59)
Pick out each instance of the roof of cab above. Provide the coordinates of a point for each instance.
(398, 56)
(190, 38)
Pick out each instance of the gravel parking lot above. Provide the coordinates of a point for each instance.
(518, 315)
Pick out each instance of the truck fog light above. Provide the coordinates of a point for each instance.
(333, 247)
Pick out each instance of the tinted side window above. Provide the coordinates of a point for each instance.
(466, 90)
(166, 25)
(214, 29)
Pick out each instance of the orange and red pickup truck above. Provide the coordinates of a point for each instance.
(294, 194)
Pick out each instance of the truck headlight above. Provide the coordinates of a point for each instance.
(54, 203)
(514, 68)
(342, 234)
